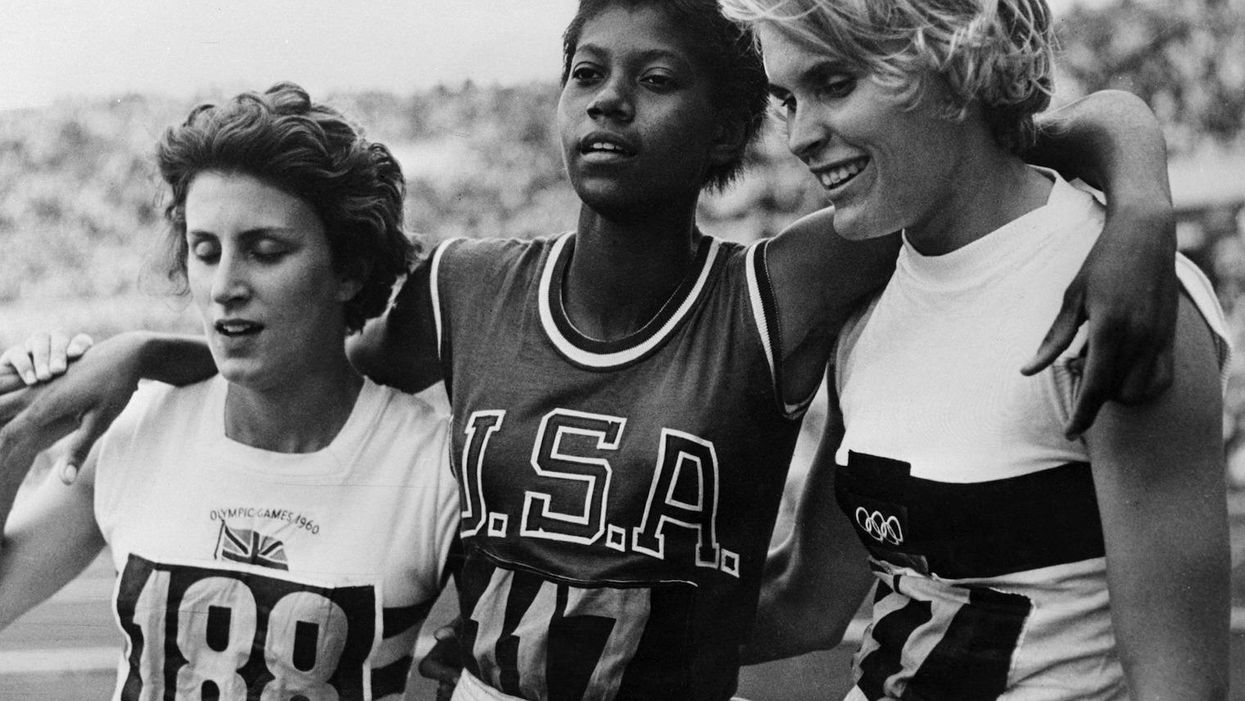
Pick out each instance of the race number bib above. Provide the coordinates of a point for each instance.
(200, 633)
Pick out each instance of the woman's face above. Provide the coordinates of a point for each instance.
(636, 115)
(883, 167)
(261, 275)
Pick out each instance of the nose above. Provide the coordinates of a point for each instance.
(229, 280)
(612, 100)
(806, 134)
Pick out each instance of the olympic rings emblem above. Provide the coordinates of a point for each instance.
(883, 529)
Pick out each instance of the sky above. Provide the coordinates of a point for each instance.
(54, 48)
(181, 48)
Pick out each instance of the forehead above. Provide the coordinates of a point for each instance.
(217, 199)
(790, 62)
(635, 30)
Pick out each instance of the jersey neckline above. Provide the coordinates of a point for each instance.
(329, 462)
(595, 353)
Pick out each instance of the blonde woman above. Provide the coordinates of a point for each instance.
(1012, 560)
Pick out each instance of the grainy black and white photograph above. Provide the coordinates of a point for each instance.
(622, 350)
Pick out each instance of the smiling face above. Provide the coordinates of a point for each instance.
(261, 274)
(636, 118)
(884, 168)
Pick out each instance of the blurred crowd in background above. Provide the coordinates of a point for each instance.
(80, 206)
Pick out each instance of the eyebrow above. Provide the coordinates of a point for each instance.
(255, 232)
(645, 56)
(814, 74)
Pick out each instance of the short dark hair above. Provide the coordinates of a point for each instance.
(723, 48)
(311, 151)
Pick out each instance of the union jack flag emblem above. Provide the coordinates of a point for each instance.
(250, 547)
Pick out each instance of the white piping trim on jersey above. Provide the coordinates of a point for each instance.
(1198, 287)
(606, 360)
(762, 322)
(758, 307)
(435, 293)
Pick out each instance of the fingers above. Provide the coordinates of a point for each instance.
(43, 356)
(51, 352)
(443, 662)
(78, 345)
(17, 360)
(42, 346)
(24, 436)
(9, 378)
(1147, 378)
(1060, 335)
(1092, 394)
(1110, 356)
(78, 446)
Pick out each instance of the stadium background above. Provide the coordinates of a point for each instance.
(80, 209)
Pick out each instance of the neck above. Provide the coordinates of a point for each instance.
(988, 188)
(302, 415)
(622, 272)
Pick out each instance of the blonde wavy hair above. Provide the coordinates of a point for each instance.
(997, 53)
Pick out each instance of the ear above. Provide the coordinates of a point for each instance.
(350, 281)
(728, 143)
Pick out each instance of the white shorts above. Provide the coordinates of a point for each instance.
(469, 688)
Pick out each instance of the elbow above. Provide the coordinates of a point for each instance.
(791, 622)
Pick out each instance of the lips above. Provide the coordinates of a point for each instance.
(236, 328)
(607, 144)
(835, 175)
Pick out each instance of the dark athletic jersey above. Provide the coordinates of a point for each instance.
(617, 497)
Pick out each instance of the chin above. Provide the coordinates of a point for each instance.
(857, 229)
(239, 372)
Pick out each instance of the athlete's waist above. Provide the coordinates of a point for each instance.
(531, 635)
(984, 529)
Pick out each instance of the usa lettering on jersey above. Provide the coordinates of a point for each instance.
(685, 465)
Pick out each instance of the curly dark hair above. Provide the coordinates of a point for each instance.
(726, 50)
(311, 151)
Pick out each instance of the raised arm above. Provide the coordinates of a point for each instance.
(1158, 470)
(1127, 286)
(814, 582)
(399, 348)
(92, 393)
(1126, 289)
(818, 278)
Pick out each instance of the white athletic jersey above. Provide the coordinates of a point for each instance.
(244, 573)
(980, 517)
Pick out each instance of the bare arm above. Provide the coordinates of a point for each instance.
(399, 348)
(814, 582)
(1126, 288)
(50, 536)
(92, 393)
(1158, 471)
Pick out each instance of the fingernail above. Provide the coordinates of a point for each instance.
(68, 471)
(30, 378)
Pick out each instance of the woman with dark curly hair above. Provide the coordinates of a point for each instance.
(626, 396)
(279, 530)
